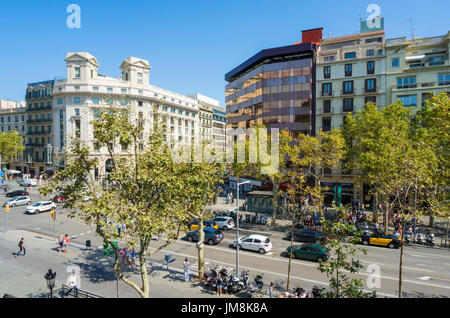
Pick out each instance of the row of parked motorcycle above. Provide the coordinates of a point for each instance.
(231, 284)
(420, 239)
(248, 218)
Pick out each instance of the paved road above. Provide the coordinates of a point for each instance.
(426, 271)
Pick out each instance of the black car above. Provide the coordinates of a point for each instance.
(17, 193)
(308, 236)
(212, 236)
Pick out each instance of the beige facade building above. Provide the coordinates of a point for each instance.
(350, 72)
(417, 69)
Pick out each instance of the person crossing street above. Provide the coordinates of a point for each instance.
(22, 248)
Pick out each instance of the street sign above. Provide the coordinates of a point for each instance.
(7, 208)
(53, 214)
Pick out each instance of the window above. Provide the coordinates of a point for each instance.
(395, 62)
(326, 71)
(370, 52)
(95, 88)
(77, 88)
(327, 106)
(109, 89)
(350, 55)
(124, 90)
(77, 72)
(96, 112)
(186, 113)
(370, 99)
(139, 76)
(326, 89)
(444, 79)
(165, 107)
(172, 110)
(371, 67)
(95, 100)
(140, 103)
(77, 112)
(348, 105)
(329, 58)
(180, 112)
(371, 85)
(347, 87)
(408, 100)
(140, 92)
(49, 129)
(60, 101)
(436, 60)
(406, 82)
(326, 123)
(77, 100)
(124, 102)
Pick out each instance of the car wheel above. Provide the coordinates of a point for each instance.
(320, 259)
(239, 246)
(261, 251)
(189, 238)
(29, 202)
(391, 245)
(210, 242)
(365, 243)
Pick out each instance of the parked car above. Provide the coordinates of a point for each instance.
(28, 182)
(43, 206)
(19, 200)
(194, 225)
(224, 222)
(308, 236)
(17, 193)
(379, 239)
(308, 251)
(254, 242)
(58, 198)
(212, 236)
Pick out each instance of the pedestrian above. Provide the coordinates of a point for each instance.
(228, 199)
(118, 229)
(271, 290)
(72, 283)
(133, 256)
(186, 266)
(295, 295)
(122, 254)
(231, 197)
(219, 284)
(308, 295)
(66, 242)
(302, 294)
(21, 248)
(128, 255)
(60, 243)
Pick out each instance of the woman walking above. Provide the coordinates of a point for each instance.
(66, 242)
(60, 243)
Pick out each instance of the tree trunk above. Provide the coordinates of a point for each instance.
(400, 270)
(431, 220)
(291, 252)
(200, 249)
(375, 209)
(275, 202)
(446, 235)
(386, 219)
(143, 269)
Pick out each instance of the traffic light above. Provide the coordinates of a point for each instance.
(7, 208)
(53, 214)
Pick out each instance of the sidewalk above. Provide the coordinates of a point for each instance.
(23, 276)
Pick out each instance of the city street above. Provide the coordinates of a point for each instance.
(425, 270)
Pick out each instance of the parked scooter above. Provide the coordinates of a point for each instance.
(408, 236)
(258, 219)
(419, 238)
(430, 239)
(259, 281)
(264, 220)
(247, 218)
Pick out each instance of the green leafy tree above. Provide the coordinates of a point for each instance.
(146, 189)
(11, 145)
(342, 249)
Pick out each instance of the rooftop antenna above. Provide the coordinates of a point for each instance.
(412, 28)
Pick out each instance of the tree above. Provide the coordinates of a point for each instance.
(11, 145)
(146, 189)
(342, 249)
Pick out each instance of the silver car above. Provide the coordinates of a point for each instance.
(16, 201)
(224, 222)
(43, 206)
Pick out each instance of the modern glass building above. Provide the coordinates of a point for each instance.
(276, 88)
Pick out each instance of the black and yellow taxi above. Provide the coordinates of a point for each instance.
(379, 239)
(194, 225)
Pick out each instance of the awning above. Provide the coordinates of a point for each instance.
(415, 58)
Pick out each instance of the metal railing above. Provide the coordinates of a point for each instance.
(81, 293)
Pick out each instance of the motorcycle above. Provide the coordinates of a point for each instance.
(254, 218)
(408, 237)
(231, 286)
(420, 238)
(430, 239)
(259, 281)
(247, 218)
(264, 220)
(210, 278)
(258, 219)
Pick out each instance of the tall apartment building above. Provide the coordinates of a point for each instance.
(219, 124)
(79, 97)
(416, 69)
(39, 127)
(350, 73)
(275, 88)
(12, 117)
(205, 115)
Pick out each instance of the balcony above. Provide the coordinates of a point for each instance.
(326, 93)
(41, 120)
(348, 92)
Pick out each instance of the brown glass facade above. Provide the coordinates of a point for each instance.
(277, 93)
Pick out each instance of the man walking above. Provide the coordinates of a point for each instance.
(186, 266)
(72, 283)
(22, 248)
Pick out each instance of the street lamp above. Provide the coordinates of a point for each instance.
(237, 225)
(50, 278)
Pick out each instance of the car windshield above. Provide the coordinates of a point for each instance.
(36, 204)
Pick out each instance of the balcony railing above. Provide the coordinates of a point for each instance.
(40, 120)
(40, 132)
(326, 93)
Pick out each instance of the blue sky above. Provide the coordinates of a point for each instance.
(189, 44)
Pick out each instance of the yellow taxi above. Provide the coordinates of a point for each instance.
(193, 226)
(378, 239)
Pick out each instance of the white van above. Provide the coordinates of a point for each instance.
(28, 182)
